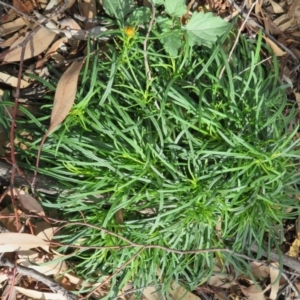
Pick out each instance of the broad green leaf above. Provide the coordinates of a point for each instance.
(118, 8)
(140, 16)
(204, 29)
(176, 8)
(164, 23)
(158, 2)
(172, 42)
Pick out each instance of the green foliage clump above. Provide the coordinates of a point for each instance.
(196, 160)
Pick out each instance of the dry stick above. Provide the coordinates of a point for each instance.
(12, 135)
(148, 71)
(237, 37)
(5, 262)
(291, 285)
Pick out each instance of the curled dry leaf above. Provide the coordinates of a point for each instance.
(38, 43)
(65, 95)
(274, 281)
(29, 203)
(10, 242)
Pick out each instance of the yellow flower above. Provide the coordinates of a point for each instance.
(129, 31)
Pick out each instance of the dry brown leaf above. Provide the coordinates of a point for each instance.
(151, 294)
(24, 6)
(119, 216)
(259, 270)
(253, 292)
(48, 233)
(276, 7)
(37, 44)
(28, 202)
(9, 223)
(277, 51)
(274, 284)
(33, 294)
(179, 292)
(221, 280)
(10, 242)
(284, 22)
(12, 80)
(294, 9)
(51, 51)
(9, 42)
(65, 94)
(11, 27)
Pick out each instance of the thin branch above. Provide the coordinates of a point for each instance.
(287, 261)
(147, 67)
(148, 71)
(5, 262)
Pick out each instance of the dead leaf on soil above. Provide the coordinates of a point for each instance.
(33, 294)
(179, 292)
(10, 242)
(259, 270)
(277, 51)
(253, 292)
(44, 230)
(9, 223)
(221, 280)
(12, 80)
(52, 51)
(11, 27)
(28, 202)
(37, 44)
(284, 22)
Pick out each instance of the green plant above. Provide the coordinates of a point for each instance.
(201, 29)
(181, 154)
